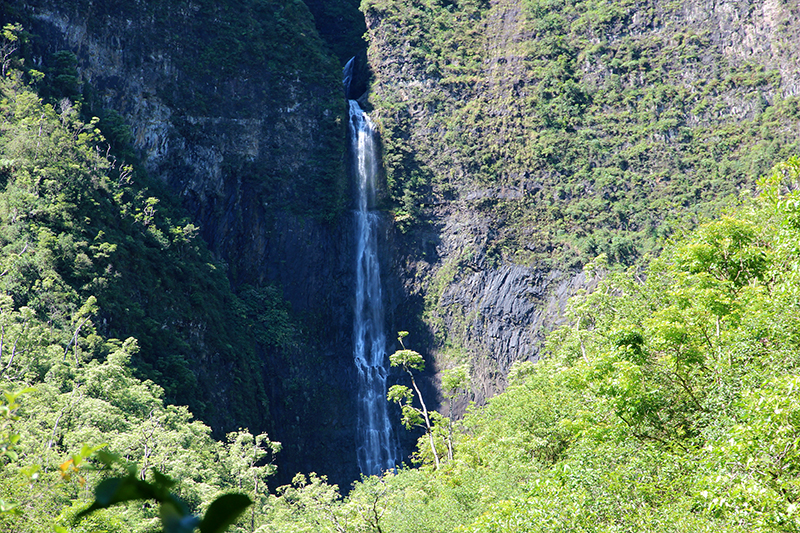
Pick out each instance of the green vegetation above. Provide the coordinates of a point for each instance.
(92, 253)
(174, 514)
(51, 434)
(579, 126)
(671, 402)
(93, 249)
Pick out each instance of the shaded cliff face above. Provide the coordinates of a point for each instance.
(341, 25)
(238, 108)
(522, 139)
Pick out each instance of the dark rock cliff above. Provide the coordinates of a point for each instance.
(238, 108)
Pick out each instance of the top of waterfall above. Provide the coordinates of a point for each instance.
(347, 75)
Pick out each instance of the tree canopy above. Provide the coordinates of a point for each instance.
(669, 402)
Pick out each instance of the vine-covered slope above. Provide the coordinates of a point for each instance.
(581, 127)
(79, 225)
(535, 135)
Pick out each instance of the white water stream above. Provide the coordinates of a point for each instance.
(377, 450)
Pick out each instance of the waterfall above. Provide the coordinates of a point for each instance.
(376, 446)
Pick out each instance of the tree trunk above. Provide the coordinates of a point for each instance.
(427, 420)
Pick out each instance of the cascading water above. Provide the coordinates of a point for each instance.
(376, 446)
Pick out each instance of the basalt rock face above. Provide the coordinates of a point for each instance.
(471, 308)
(243, 130)
(506, 312)
(238, 108)
(523, 139)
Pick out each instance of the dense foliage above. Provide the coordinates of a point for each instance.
(669, 403)
(95, 249)
(576, 126)
(93, 253)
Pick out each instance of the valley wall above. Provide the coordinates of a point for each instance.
(521, 139)
(238, 109)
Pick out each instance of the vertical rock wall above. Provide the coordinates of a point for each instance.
(238, 109)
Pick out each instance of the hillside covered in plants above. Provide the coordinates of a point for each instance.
(524, 138)
(669, 403)
(587, 220)
(96, 260)
(232, 119)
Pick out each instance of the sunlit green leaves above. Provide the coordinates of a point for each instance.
(407, 359)
(727, 250)
(174, 513)
(399, 394)
(761, 455)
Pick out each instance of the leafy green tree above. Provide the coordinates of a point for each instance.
(761, 458)
(309, 504)
(9, 440)
(654, 345)
(249, 458)
(412, 416)
(10, 46)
